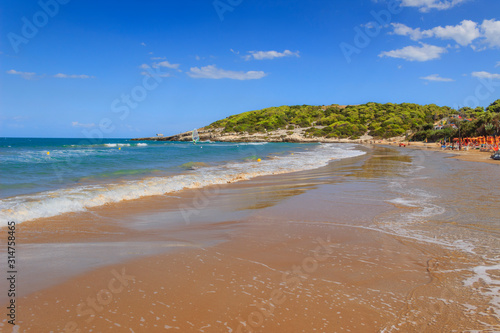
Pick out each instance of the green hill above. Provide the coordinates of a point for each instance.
(352, 121)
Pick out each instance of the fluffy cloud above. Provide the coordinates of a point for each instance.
(427, 5)
(463, 33)
(212, 72)
(24, 75)
(491, 31)
(415, 34)
(77, 124)
(31, 75)
(262, 55)
(158, 66)
(166, 64)
(72, 76)
(498, 64)
(437, 78)
(486, 75)
(425, 52)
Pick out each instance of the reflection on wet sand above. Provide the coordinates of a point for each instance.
(405, 251)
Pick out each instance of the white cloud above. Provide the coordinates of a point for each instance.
(415, 34)
(425, 52)
(464, 33)
(427, 5)
(77, 124)
(437, 78)
(143, 44)
(498, 64)
(157, 66)
(166, 64)
(24, 75)
(261, 55)
(72, 76)
(212, 72)
(31, 75)
(369, 25)
(491, 31)
(486, 75)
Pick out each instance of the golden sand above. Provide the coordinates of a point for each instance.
(293, 253)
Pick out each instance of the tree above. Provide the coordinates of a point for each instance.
(489, 128)
(494, 107)
(479, 109)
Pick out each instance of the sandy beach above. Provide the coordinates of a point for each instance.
(233, 166)
(471, 155)
(384, 242)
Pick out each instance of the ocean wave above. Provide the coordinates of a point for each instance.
(80, 198)
(96, 145)
(253, 143)
(41, 156)
(117, 144)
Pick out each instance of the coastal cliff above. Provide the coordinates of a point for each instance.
(296, 135)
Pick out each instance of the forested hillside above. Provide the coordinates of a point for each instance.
(378, 120)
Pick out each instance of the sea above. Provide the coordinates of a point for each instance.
(44, 177)
(444, 212)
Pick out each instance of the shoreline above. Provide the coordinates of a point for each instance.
(463, 155)
(235, 283)
(248, 162)
(297, 136)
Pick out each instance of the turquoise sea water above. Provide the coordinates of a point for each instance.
(44, 177)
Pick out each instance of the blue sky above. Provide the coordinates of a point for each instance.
(74, 68)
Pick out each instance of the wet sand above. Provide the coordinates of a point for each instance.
(357, 246)
(472, 155)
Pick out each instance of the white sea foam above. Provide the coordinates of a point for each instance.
(492, 288)
(117, 144)
(141, 144)
(30, 157)
(403, 202)
(80, 198)
(414, 224)
(253, 143)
